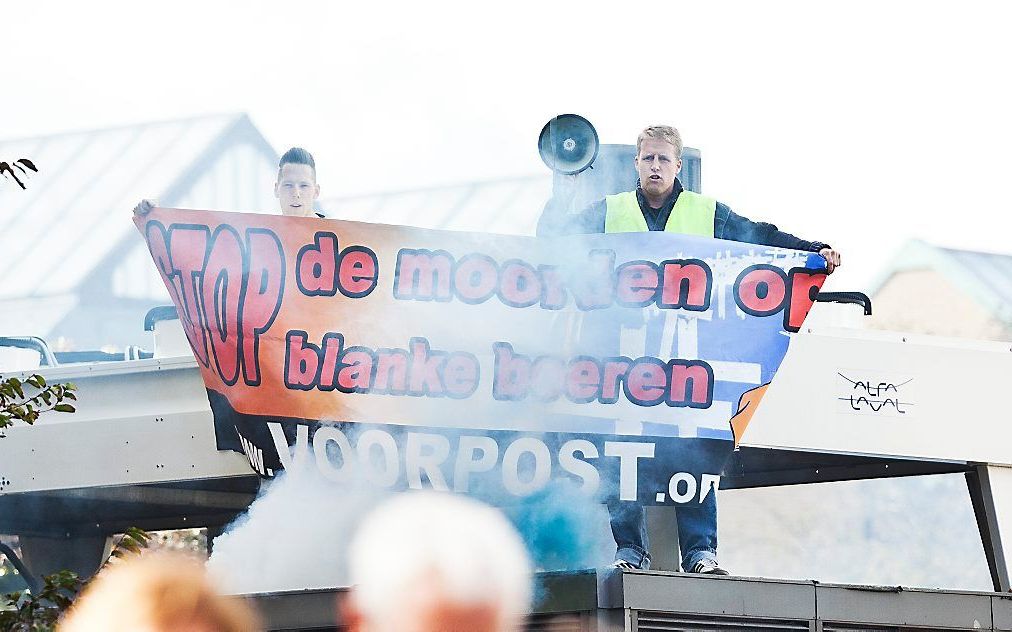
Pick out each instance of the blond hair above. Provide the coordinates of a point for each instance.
(156, 591)
(662, 132)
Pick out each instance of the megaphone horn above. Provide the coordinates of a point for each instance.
(568, 144)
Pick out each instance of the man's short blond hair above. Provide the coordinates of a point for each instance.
(662, 132)
(157, 591)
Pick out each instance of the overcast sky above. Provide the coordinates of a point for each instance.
(861, 124)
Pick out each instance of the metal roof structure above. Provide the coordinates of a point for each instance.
(509, 206)
(74, 265)
(77, 207)
(67, 236)
(506, 206)
(984, 276)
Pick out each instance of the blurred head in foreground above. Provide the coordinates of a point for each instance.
(157, 592)
(434, 561)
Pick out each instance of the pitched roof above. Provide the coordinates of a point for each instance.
(76, 209)
(985, 276)
(508, 205)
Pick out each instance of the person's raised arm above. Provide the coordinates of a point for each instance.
(556, 218)
(555, 215)
(730, 225)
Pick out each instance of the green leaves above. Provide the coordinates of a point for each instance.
(25, 612)
(17, 405)
(37, 381)
(131, 543)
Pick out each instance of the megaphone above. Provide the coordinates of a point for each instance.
(568, 144)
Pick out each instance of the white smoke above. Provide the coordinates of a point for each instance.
(295, 534)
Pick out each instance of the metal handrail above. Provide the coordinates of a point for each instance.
(33, 582)
(858, 298)
(46, 356)
(155, 314)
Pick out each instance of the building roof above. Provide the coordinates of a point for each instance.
(985, 276)
(506, 206)
(76, 210)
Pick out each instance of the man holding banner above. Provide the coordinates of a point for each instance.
(400, 358)
(660, 203)
(296, 187)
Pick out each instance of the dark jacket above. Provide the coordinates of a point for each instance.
(727, 224)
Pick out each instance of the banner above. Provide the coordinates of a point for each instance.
(627, 364)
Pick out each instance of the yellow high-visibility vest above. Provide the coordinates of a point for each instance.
(691, 215)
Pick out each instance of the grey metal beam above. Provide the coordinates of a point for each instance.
(151, 495)
(898, 606)
(708, 594)
(632, 600)
(978, 483)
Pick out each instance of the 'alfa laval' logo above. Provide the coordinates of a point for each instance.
(875, 396)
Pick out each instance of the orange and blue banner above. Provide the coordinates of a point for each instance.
(629, 364)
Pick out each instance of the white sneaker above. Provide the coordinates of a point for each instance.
(707, 566)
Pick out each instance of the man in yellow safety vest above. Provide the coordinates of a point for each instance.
(660, 203)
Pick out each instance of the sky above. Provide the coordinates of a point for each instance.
(860, 124)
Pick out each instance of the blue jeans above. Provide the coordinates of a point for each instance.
(697, 531)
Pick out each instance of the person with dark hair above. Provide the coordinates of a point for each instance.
(659, 203)
(296, 188)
